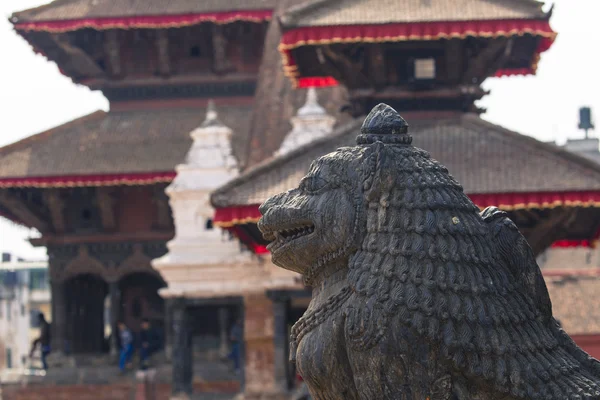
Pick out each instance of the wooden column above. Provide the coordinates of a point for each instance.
(115, 308)
(168, 330)
(280, 342)
(59, 316)
(223, 333)
(259, 338)
(182, 350)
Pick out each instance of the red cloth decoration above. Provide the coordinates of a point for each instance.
(247, 240)
(573, 243)
(317, 82)
(89, 180)
(231, 216)
(319, 35)
(237, 215)
(517, 201)
(149, 21)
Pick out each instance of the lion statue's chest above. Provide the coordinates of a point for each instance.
(322, 361)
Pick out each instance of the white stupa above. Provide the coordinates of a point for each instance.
(199, 252)
(310, 123)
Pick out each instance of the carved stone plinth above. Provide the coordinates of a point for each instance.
(145, 385)
(260, 349)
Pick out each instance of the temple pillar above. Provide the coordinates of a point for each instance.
(281, 343)
(168, 330)
(182, 350)
(115, 307)
(259, 334)
(223, 334)
(59, 317)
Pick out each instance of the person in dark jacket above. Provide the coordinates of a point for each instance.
(236, 336)
(147, 343)
(43, 340)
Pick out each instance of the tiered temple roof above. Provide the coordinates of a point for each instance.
(496, 166)
(352, 12)
(72, 10)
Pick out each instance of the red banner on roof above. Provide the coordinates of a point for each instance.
(237, 215)
(148, 22)
(133, 179)
(321, 35)
(230, 217)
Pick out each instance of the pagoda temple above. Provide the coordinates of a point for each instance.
(96, 188)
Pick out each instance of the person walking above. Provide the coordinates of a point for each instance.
(126, 346)
(43, 340)
(236, 336)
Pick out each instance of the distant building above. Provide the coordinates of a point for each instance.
(24, 293)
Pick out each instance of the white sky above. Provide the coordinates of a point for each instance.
(35, 96)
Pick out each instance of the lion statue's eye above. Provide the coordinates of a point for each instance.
(312, 184)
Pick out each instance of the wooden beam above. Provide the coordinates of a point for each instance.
(55, 239)
(162, 48)
(400, 93)
(18, 208)
(112, 51)
(56, 205)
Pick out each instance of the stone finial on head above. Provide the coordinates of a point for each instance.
(384, 124)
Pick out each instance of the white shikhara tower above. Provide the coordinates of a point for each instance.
(200, 258)
(310, 123)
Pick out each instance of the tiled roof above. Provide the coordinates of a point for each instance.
(141, 141)
(349, 12)
(483, 157)
(116, 142)
(575, 303)
(80, 9)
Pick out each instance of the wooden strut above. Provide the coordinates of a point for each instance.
(551, 229)
(22, 212)
(56, 205)
(81, 61)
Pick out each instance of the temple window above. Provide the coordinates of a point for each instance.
(195, 52)
(424, 68)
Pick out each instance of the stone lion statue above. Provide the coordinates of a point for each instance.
(416, 294)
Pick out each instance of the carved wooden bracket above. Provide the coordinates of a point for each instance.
(79, 59)
(106, 203)
(162, 47)
(163, 211)
(221, 63)
(489, 56)
(25, 214)
(112, 50)
(56, 204)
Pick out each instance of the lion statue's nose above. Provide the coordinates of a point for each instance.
(270, 202)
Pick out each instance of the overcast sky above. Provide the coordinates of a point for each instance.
(35, 96)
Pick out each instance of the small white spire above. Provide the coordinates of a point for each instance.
(212, 144)
(310, 123)
(312, 106)
(211, 116)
